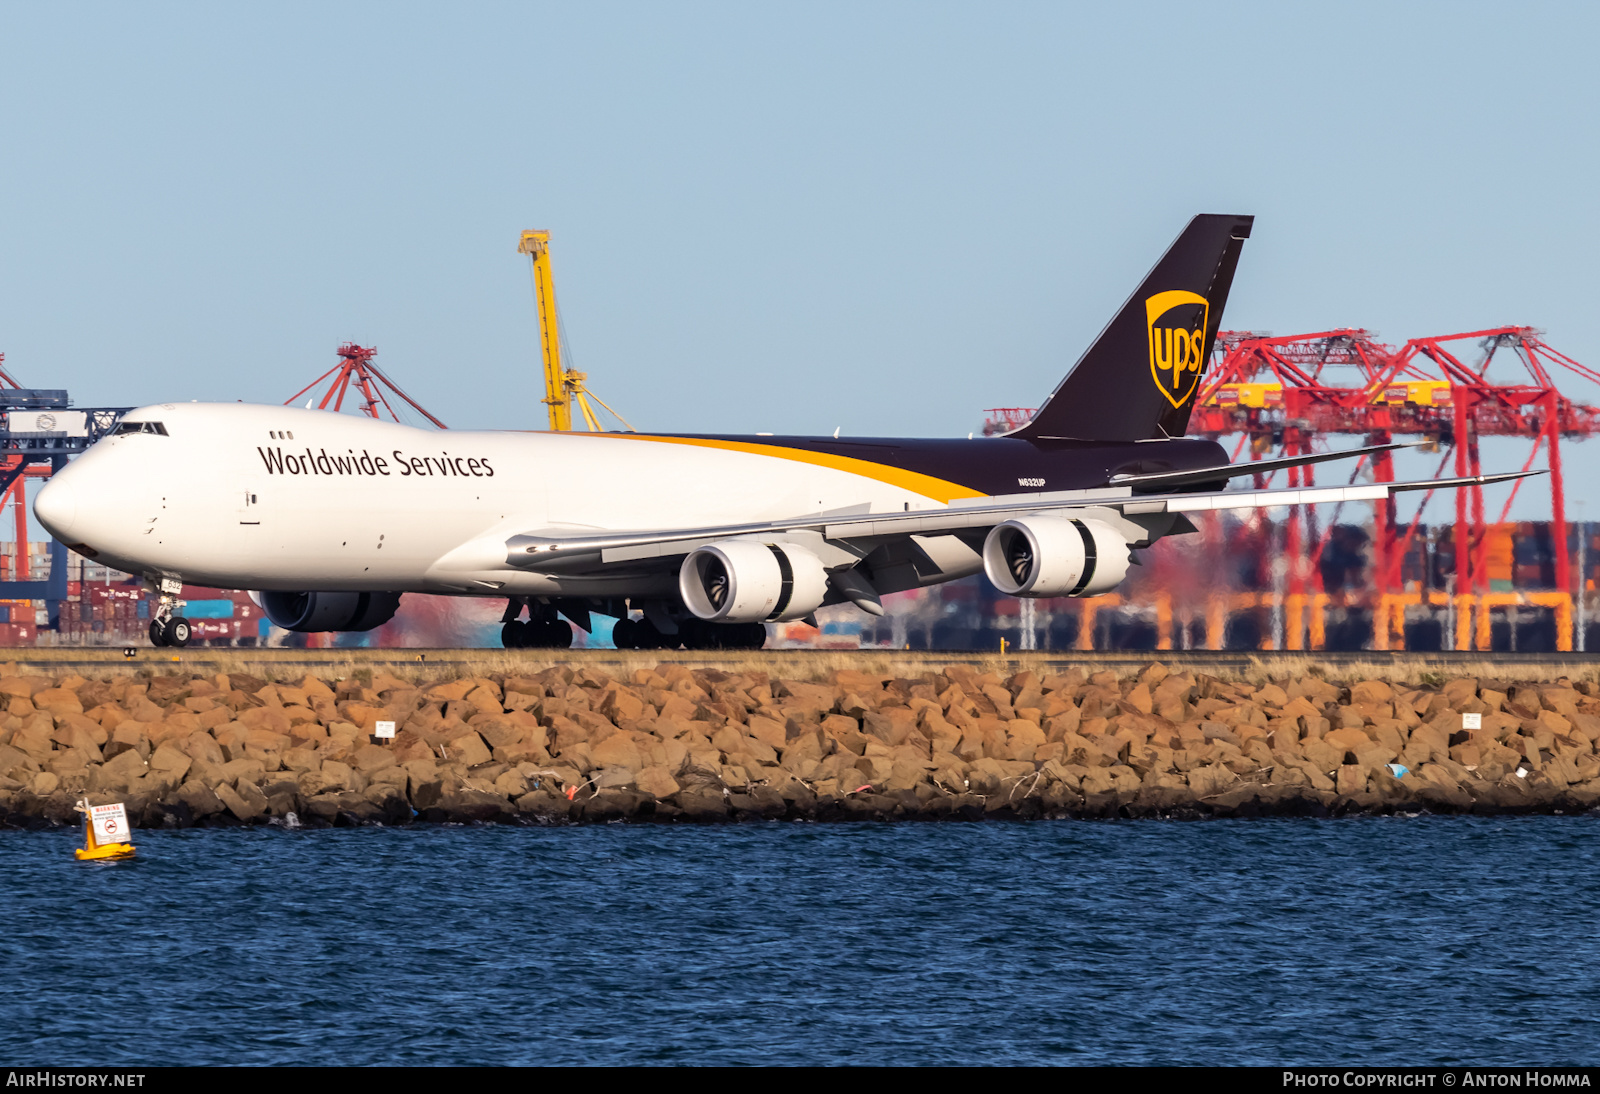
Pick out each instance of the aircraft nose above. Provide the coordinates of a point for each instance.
(56, 508)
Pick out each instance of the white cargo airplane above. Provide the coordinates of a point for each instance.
(330, 517)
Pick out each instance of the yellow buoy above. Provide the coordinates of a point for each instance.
(105, 832)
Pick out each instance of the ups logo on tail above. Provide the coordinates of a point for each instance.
(1177, 322)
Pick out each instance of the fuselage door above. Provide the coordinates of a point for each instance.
(247, 503)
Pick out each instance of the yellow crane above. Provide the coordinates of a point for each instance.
(562, 386)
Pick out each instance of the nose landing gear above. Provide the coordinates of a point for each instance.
(173, 632)
(166, 627)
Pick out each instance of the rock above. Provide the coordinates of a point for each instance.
(761, 801)
(425, 793)
(657, 782)
(344, 809)
(770, 732)
(621, 750)
(283, 797)
(338, 774)
(202, 746)
(1351, 779)
(323, 808)
(200, 798)
(115, 775)
(390, 802)
(14, 762)
(33, 741)
(1370, 691)
(612, 804)
(485, 698)
(613, 778)
(1141, 699)
(23, 686)
(75, 736)
(300, 759)
(1351, 740)
(1205, 781)
(621, 705)
(57, 701)
(370, 758)
(1459, 691)
(243, 769)
(247, 803)
(468, 749)
(511, 784)
(453, 689)
(129, 735)
(473, 806)
(701, 804)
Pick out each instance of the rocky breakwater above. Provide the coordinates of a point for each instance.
(674, 743)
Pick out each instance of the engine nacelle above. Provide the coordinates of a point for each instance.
(1055, 556)
(748, 581)
(329, 611)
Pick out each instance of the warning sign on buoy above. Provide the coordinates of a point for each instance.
(106, 832)
(110, 823)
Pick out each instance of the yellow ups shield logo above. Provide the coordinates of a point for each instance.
(1177, 322)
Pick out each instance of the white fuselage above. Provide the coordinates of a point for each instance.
(274, 498)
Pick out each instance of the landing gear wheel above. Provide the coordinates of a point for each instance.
(557, 634)
(646, 637)
(176, 632)
(158, 633)
(513, 635)
(622, 635)
(700, 635)
(697, 635)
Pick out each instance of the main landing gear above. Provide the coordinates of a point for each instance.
(543, 630)
(693, 634)
(546, 629)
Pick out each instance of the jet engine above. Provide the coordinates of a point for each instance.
(747, 581)
(329, 611)
(1055, 556)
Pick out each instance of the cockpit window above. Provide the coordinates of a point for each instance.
(139, 427)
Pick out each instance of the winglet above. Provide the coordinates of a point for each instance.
(1470, 480)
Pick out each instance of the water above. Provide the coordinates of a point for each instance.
(1363, 941)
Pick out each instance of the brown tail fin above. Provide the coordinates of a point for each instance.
(1138, 380)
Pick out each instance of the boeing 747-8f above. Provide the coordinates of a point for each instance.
(330, 518)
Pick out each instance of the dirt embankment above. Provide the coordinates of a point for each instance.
(675, 743)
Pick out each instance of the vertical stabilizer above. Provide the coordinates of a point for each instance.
(1138, 380)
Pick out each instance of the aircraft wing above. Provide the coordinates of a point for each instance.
(561, 554)
(1160, 479)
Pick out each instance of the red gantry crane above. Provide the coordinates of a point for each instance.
(356, 368)
(1288, 395)
(1285, 394)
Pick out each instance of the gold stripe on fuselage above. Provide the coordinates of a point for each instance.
(928, 486)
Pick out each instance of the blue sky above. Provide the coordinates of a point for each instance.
(877, 217)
